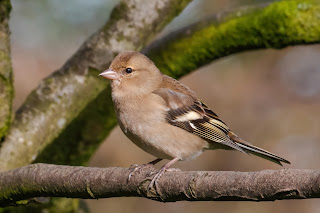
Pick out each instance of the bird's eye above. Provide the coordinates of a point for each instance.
(129, 70)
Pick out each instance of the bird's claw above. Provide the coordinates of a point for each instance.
(155, 179)
(136, 168)
(133, 166)
(173, 170)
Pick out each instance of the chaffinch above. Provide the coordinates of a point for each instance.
(164, 117)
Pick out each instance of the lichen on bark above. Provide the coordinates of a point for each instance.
(6, 81)
(83, 135)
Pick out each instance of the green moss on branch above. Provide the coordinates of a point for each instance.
(6, 82)
(279, 25)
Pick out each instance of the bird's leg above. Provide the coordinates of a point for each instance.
(161, 172)
(134, 168)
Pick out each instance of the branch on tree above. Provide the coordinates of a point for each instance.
(60, 98)
(47, 180)
(6, 82)
(278, 25)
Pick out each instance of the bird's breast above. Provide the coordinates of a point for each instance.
(140, 111)
(143, 121)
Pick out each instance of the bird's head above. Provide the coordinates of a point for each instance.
(132, 73)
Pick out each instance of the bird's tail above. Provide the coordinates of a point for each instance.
(256, 150)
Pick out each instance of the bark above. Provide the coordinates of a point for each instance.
(277, 25)
(6, 82)
(46, 180)
(61, 97)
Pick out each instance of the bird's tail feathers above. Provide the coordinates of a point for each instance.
(251, 149)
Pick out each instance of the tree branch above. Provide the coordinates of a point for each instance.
(46, 180)
(6, 82)
(278, 25)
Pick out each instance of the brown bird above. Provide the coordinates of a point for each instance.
(165, 118)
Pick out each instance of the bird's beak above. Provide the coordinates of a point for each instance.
(110, 74)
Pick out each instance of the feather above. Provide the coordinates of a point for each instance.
(256, 150)
(191, 114)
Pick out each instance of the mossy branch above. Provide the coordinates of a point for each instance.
(278, 25)
(6, 82)
(61, 97)
(46, 180)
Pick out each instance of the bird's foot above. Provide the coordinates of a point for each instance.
(137, 168)
(155, 179)
(168, 170)
(173, 170)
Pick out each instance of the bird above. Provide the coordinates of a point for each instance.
(165, 118)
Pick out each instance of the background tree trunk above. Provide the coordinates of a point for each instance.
(6, 82)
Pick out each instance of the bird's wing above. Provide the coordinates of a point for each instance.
(189, 113)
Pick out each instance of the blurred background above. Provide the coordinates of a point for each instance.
(268, 97)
